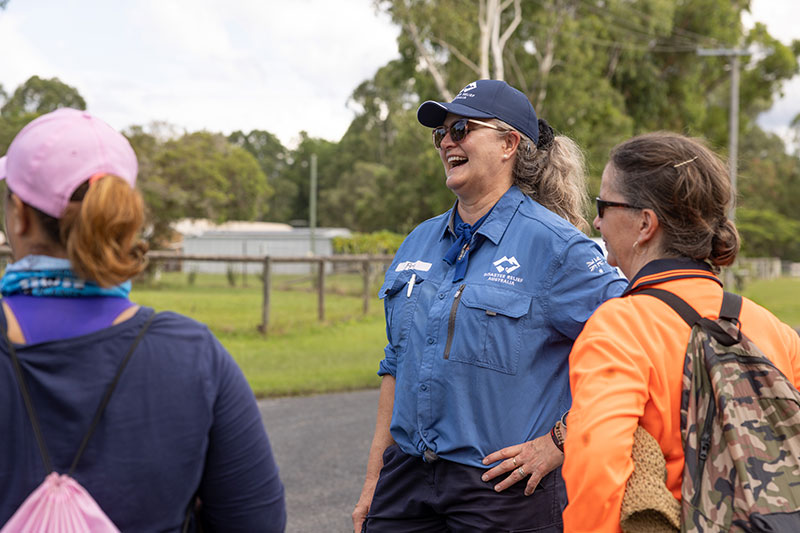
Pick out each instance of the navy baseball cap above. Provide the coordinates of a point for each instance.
(485, 99)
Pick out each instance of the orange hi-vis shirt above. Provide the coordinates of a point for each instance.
(626, 369)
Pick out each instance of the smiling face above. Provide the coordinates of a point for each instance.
(619, 226)
(478, 166)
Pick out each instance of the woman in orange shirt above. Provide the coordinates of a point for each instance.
(662, 212)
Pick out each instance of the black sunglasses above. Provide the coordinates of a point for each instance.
(458, 130)
(602, 204)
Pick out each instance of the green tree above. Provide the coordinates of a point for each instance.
(272, 157)
(221, 181)
(597, 70)
(298, 173)
(198, 175)
(769, 177)
(38, 96)
(31, 99)
(765, 233)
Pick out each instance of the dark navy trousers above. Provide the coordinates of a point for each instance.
(441, 496)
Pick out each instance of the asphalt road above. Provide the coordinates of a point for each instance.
(321, 445)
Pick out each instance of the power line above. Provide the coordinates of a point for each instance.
(630, 25)
(688, 34)
(643, 47)
(640, 38)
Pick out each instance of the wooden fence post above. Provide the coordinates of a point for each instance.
(267, 279)
(321, 293)
(365, 265)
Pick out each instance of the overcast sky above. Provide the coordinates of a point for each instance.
(283, 66)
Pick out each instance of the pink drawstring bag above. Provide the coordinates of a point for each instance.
(60, 504)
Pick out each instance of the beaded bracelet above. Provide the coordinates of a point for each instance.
(555, 434)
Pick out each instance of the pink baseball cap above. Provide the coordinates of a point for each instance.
(56, 153)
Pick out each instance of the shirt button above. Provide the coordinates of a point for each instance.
(442, 295)
(424, 433)
(423, 387)
(430, 340)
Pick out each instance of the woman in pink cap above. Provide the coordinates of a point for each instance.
(147, 412)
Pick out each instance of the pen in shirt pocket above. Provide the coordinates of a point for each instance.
(411, 283)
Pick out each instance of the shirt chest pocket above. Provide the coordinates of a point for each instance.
(399, 295)
(486, 327)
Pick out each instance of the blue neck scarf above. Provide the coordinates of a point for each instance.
(41, 275)
(458, 253)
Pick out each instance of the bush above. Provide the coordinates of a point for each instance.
(379, 242)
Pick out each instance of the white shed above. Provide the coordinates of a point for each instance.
(257, 239)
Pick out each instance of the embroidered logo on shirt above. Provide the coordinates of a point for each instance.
(420, 266)
(502, 270)
(501, 263)
(596, 264)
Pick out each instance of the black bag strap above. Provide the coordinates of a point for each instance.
(678, 304)
(729, 310)
(98, 414)
(731, 307)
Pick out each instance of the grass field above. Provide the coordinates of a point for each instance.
(781, 296)
(301, 355)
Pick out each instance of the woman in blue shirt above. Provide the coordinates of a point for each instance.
(182, 423)
(482, 306)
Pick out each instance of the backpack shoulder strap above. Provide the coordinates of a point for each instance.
(731, 306)
(26, 397)
(100, 408)
(48, 465)
(678, 304)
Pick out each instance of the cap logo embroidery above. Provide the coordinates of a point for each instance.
(469, 87)
(464, 93)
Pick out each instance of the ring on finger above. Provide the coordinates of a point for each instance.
(521, 472)
(514, 460)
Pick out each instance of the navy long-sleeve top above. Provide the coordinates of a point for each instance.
(182, 421)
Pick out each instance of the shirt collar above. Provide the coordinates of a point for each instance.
(669, 269)
(498, 220)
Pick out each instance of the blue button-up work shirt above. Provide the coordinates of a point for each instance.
(481, 364)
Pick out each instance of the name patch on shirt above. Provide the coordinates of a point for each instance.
(421, 266)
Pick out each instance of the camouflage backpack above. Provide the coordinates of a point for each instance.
(740, 425)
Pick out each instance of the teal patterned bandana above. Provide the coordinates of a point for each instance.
(41, 275)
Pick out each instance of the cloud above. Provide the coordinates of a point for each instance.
(200, 64)
(25, 58)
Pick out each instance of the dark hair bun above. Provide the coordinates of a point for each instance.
(546, 135)
(724, 244)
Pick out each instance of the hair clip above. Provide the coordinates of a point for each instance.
(685, 162)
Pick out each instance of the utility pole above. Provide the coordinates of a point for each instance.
(312, 204)
(733, 122)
